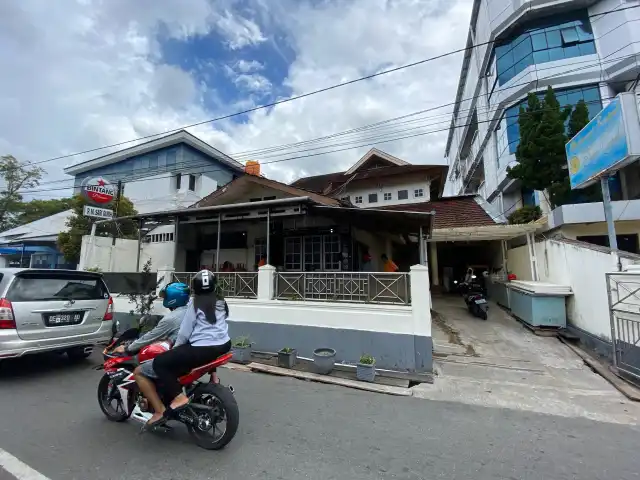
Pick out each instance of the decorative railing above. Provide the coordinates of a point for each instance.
(232, 284)
(353, 287)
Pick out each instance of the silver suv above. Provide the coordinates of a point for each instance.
(53, 310)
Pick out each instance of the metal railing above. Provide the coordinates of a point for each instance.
(232, 284)
(354, 287)
(624, 313)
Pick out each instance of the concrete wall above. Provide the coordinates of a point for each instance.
(399, 337)
(121, 257)
(582, 268)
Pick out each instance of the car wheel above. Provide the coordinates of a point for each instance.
(78, 353)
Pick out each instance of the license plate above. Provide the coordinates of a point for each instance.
(480, 301)
(58, 319)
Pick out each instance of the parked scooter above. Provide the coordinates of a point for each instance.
(473, 295)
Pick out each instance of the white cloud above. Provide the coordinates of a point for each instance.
(91, 73)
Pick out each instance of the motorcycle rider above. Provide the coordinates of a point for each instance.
(175, 296)
(203, 337)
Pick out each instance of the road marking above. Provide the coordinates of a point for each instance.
(17, 468)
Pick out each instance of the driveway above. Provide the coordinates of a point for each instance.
(500, 363)
(294, 430)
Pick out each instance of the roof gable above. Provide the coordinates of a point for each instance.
(241, 189)
(373, 158)
(166, 141)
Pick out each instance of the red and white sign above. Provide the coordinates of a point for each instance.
(98, 191)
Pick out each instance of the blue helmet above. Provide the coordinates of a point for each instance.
(175, 295)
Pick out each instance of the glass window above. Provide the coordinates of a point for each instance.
(260, 250)
(153, 161)
(293, 253)
(192, 183)
(332, 252)
(387, 196)
(171, 158)
(313, 253)
(544, 40)
(178, 181)
(373, 198)
(38, 287)
(403, 194)
(418, 193)
(357, 199)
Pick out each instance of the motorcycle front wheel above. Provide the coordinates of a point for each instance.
(110, 401)
(217, 424)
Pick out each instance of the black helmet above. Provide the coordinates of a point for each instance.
(204, 282)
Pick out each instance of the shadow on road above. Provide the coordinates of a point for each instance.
(34, 366)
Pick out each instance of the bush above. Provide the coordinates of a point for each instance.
(527, 214)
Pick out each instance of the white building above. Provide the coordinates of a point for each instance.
(587, 50)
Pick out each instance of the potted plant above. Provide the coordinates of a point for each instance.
(241, 349)
(366, 368)
(287, 357)
(324, 360)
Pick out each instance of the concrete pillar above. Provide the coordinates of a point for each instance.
(266, 282)
(435, 278)
(420, 301)
(164, 276)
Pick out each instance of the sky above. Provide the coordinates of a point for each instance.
(81, 74)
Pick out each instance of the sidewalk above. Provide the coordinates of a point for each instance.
(499, 363)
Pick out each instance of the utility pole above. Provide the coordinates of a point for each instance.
(114, 226)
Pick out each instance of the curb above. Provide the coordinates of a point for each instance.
(623, 387)
(343, 382)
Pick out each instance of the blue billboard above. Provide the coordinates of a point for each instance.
(599, 147)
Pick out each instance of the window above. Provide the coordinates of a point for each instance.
(192, 183)
(373, 198)
(171, 158)
(418, 193)
(567, 97)
(529, 197)
(153, 161)
(544, 40)
(38, 287)
(293, 253)
(255, 199)
(313, 253)
(387, 197)
(332, 252)
(171, 237)
(260, 250)
(178, 181)
(357, 199)
(403, 194)
(273, 197)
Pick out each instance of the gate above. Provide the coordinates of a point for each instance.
(624, 313)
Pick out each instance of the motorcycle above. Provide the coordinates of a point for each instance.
(211, 404)
(474, 297)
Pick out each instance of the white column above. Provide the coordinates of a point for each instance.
(266, 282)
(420, 301)
(435, 278)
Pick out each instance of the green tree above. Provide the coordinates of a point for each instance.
(38, 209)
(70, 242)
(526, 214)
(542, 161)
(15, 176)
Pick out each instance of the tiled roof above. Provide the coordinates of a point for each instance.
(452, 212)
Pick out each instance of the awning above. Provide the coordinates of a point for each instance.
(483, 233)
(392, 221)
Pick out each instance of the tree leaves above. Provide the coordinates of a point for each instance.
(16, 176)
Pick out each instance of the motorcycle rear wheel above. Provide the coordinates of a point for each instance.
(117, 414)
(222, 405)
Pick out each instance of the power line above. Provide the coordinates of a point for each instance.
(297, 97)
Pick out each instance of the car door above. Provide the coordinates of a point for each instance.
(51, 304)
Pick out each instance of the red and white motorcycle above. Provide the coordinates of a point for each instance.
(211, 417)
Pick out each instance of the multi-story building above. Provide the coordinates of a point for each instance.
(586, 50)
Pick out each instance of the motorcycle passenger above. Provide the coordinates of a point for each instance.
(175, 296)
(203, 337)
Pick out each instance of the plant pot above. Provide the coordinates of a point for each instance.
(241, 354)
(324, 360)
(287, 359)
(366, 372)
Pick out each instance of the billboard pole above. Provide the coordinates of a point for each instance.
(608, 216)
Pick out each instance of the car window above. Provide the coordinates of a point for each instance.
(56, 286)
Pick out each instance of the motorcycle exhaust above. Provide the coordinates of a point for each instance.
(88, 350)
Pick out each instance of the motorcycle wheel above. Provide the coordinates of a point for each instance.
(222, 407)
(106, 397)
(482, 314)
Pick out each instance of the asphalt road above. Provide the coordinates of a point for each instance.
(289, 429)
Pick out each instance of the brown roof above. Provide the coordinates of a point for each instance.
(283, 187)
(320, 183)
(451, 212)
